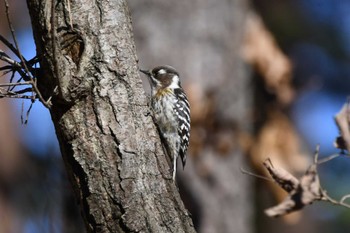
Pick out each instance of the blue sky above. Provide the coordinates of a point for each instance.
(39, 134)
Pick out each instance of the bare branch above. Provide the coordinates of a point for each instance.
(255, 175)
(15, 84)
(21, 68)
(343, 199)
(9, 45)
(7, 10)
(16, 96)
(329, 158)
(5, 58)
(27, 114)
(301, 192)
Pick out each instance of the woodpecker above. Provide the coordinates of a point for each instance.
(171, 111)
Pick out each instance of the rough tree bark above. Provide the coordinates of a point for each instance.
(109, 144)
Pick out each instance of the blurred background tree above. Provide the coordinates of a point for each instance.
(257, 88)
(202, 41)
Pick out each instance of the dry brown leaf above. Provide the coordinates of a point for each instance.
(278, 140)
(342, 119)
(283, 178)
(304, 193)
(310, 186)
(287, 206)
(261, 50)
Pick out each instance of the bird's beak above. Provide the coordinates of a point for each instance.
(146, 72)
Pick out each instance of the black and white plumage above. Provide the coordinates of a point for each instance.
(171, 111)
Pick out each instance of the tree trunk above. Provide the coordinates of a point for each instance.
(108, 141)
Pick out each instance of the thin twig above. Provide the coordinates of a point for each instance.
(335, 202)
(325, 196)
(7, 10)
(16, 96)
(15, 84)
(324, 160)
(6, 93)
(25, 90)
(6, 72)
(28, 112)
(317, 151)
(22, 110)
(254, 175)
(6, 58)
(343, 199)
(10, 46)
(11, 79)
(53, 92)
(6, 68)
(35, 88)
(15, 66)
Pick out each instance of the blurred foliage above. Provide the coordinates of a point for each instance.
(291, 23)
(315, 35)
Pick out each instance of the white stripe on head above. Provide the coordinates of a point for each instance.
(175, 82)
(161, 71)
